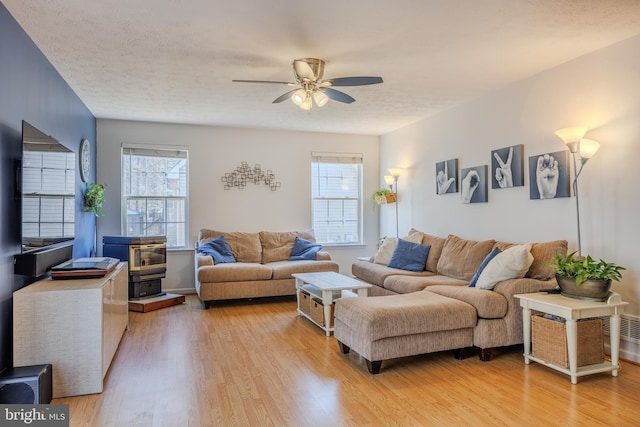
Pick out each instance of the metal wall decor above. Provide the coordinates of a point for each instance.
(245, 174)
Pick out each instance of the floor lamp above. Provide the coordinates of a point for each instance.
(582, 149)
(393, 179)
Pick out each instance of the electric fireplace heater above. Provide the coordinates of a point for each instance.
(147, 260)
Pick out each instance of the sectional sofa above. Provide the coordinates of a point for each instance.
(260, 267)
(435, 309)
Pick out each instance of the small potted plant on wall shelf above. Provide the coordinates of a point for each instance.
(383, 196)
(585, 278)
(94, 199)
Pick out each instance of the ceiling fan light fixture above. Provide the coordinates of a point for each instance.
(299, 96)
(307, 103)
(320, 98)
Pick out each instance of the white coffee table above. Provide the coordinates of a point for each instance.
(327, 282)
(573, 310)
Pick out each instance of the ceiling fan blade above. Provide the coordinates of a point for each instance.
(352, 81)
(336, 95)
(283, 97)
(265, 81)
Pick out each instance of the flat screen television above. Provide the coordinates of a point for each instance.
(45, 181)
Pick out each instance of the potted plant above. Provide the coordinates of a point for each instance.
(383, 196)
(585, 278)
(94, 199)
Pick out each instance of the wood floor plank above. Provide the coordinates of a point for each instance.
(255, 363)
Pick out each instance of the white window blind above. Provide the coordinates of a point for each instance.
(155, 193)
(336, 180)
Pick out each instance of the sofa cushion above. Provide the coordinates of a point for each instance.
(388, 246)
(461, 258)
(409, 256)
(436, 243)
(543, 254)
(284, 269)
(512, 263)
(244, 246)
(408, 314)
(237, 272)
(385, 251)
(376, 273)
(218, 249)
(304, 250)
(488, 304)
(276, 246)
(495, 251)
(407, 284)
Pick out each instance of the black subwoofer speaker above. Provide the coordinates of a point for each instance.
(26, 385)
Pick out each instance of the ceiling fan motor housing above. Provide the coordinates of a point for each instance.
(308, 69)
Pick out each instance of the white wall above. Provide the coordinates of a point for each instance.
(601, 91)
(216, 150)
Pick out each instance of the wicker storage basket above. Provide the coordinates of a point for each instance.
(550, 341)
(305, 302)
(317, 312)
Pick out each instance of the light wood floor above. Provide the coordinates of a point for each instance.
(255, 363)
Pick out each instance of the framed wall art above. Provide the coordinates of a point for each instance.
(473, 187)
(507, 167)
(549, 175)
(447, 176)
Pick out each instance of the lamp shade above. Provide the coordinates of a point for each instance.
(389, 180)
(571, 134)
(307, 103)
(299, 96)
(588, 148)
(395, 172)
(320, 98)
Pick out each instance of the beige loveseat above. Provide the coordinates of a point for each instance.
(261, 269)
(409, 319)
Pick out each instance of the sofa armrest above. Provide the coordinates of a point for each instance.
(323, 256)
(203, 260)
(512, 287)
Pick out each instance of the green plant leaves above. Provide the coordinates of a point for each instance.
(586, 268)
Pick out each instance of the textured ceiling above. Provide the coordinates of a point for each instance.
(173, 60)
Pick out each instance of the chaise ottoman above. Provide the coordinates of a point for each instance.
(381, 328)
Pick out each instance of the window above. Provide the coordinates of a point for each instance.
(336, 193)
(155, 193)
(48, 194)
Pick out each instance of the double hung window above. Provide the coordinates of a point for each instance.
(155, 193)
(336, 193)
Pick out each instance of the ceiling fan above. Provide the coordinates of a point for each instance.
(308, 73)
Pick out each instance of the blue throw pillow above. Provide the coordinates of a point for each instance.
(486, 261)
(219, 249)
(409, 256)
(304, 250)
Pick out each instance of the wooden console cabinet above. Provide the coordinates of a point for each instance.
(76, 325)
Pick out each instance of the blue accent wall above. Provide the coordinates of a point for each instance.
(32, 90)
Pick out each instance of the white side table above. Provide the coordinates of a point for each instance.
(572, 310)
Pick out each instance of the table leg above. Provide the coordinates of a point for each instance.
(327, 300)
(526, 333)
(299, 284)
(363, 292)
(614, 335)
(572, 348)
